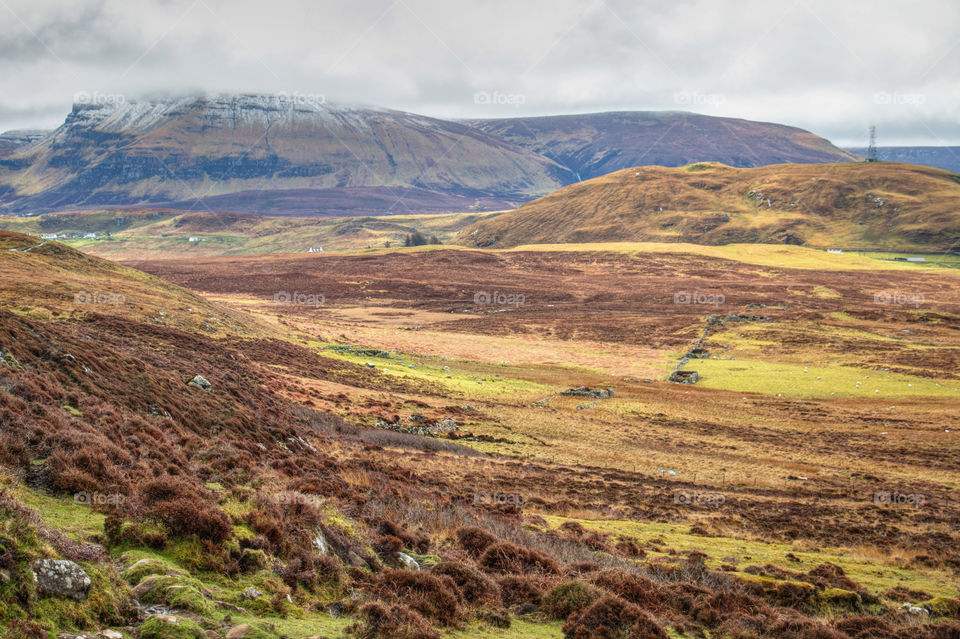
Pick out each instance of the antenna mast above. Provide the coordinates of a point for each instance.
(872, 149)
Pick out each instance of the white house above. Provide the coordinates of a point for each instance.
(48, 236)
(318, 249)
(835, 251)
(194, 239)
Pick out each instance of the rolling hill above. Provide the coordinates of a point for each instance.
(850, 205)
(595, 144)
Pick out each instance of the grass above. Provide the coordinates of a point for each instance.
(797, 380)
(870, 571)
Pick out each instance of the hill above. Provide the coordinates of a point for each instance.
(594, 144)
(187, 149)
(165, 233)
(850, 205)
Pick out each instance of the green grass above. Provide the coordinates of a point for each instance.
(872, 573)
(77, 521)
(797, 380)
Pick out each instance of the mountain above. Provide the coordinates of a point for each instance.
(185, 149)
(284, 155)
(12, 141)
(595, 144)
(864, 204)
(942, 157)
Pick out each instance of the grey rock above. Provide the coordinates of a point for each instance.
(407, 561)
(200, 382)
(251, 593)
(61, 578)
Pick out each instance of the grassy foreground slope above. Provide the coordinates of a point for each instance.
(400, 460)
(852, 205)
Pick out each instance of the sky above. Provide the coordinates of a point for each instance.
(832, 67)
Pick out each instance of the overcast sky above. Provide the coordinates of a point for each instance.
(830, 66)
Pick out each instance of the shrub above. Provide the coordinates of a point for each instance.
(475, 540)
(612, 618)
(184, 516)
(635, 589)
(569, 598)
(392, 622)
(428, 594)
(517, 590)
(505, 557)
(474, 586)
(388, 545)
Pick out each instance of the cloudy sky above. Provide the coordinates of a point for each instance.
(833, 67)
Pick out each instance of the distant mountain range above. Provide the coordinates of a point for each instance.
(595, 144)
(942, 157)
(281, 155)
(849, 205)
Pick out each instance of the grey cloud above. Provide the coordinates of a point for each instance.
(817, 64)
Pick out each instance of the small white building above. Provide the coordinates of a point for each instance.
(48, 236)
(916, 259)
(89, 236)
(318, 249)
(835, 251)
(194, 239)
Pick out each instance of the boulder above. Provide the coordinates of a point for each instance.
(593, 393)
(61, 578)
(407, 561)
(200, 382)
(251, 593)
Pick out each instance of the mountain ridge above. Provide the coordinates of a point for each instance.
(213, 151)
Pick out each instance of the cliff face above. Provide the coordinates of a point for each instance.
(189, 148)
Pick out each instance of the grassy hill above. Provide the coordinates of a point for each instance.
(160, 233)
(850, 205)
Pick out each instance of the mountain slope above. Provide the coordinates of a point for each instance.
(870, 205)
(197, 147)
(595, 144)
(942, 157)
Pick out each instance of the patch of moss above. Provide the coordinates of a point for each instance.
(944, 607)
(840, 600)
(170, 627)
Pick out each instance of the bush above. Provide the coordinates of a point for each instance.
(612, 618)
(569, 598)
(184, 517)
(475, 540)
(428, 594)
(635, 589)
(505, 557)
(392, 622)
(518, 590)
(474, 586)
